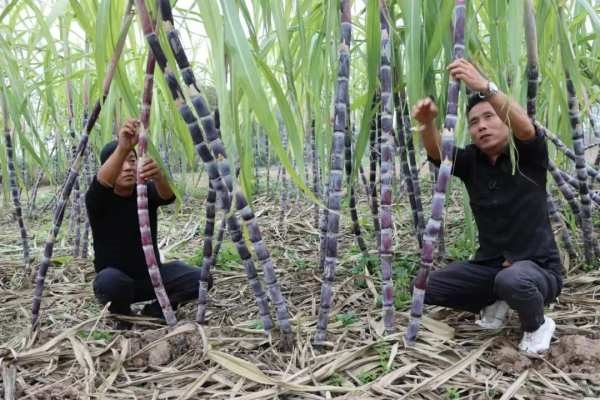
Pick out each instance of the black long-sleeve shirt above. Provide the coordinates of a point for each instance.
(116, 231)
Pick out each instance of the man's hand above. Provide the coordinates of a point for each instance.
(150, 170)
(425, 111)
(128, 134)
(466, 72)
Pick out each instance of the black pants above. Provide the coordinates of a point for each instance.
(181, 283)
(525, 286)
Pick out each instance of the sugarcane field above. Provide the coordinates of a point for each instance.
(300, 199)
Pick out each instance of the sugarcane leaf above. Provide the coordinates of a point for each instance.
(247, 74)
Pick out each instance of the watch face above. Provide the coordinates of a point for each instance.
(492, 88)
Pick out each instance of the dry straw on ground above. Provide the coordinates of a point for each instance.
(77, 354)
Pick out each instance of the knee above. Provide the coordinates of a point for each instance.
(111, 284)
(509, 281)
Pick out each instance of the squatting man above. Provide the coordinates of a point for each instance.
(121, 272)
(517, 264)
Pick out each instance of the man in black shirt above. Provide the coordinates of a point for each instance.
(122, 274)
(517, 264)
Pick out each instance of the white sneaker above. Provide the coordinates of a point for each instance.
(539, 340)
(493, 316)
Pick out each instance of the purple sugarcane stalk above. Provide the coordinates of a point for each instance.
(591, 172)
(59, 210)
(532, 88)
(219, 170)
(574, 183)
(263, 256)
(386, 165)
(187, 114)
(259, 294)
(12, 178)
(532, 58)
(580, 166)
(142, 198)
(432, 228)
(336, 172)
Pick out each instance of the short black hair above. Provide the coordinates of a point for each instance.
(473, 100)
(108, 149)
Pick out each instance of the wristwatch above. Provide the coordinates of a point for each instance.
(492, 89)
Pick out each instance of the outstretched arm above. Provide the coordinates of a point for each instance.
(425, 112)
(507, 109)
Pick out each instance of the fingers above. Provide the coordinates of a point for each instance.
(150, 170)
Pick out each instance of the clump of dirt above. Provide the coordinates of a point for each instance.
(576, 354)
(508, 359)
(160, 351)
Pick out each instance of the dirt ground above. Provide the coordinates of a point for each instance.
(77, 353)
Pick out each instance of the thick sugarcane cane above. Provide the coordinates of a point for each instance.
(259, 294)
(386, 165)
(336, 172)
(142, 198)
(437, 207)
(14, 189)
(580, 166)
(75, 168)
(263, 256)
(221, 175)
(187, 114)
(532, 89)
(532, 58)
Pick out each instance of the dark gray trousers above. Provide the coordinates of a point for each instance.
(180, 280)
(525, 286)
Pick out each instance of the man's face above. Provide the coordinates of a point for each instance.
(126, 178)
(488, 132)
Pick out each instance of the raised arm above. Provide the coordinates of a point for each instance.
(507, 109)
(425, 112)
(128, 137)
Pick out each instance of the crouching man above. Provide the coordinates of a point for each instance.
(517, 264)
(121, 272)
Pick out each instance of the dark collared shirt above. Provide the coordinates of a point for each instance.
(510, 208)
